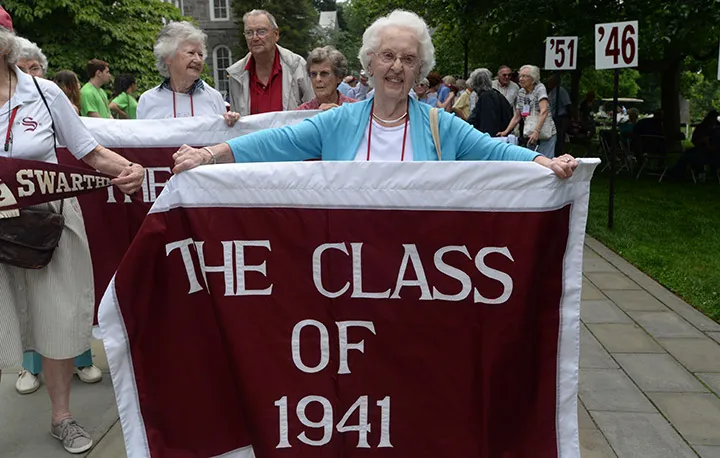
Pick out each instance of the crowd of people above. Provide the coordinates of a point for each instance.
(389, 113)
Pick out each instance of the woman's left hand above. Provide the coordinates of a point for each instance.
(130, 179)
(563, 166)
(534, 138)
(231, 118)
(327, 106)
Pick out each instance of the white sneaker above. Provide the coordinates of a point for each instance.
(27, 382)
(89, 374)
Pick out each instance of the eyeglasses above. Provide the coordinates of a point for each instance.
(523, 76)
(323, 74)
(389, 57)
(261, 33)
(505, 75)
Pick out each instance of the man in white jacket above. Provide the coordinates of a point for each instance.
(269, 77)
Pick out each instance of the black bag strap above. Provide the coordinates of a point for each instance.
(52, 124)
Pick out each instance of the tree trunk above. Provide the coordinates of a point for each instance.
(670, 102)
(575, 95)
(466, 44)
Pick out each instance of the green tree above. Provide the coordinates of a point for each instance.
(121, 32)
(297, 21)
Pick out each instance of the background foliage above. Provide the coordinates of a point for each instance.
(120, 32)
(678, 39)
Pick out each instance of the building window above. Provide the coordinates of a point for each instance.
(178, 4)
(222, 59)
(219, 10)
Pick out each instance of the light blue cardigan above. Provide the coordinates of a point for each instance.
(335, 135)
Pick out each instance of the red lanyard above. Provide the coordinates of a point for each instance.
(192, 108)
(8, 134)
(407, 119)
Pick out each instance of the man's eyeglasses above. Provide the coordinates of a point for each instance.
(261, 33)
(323, 74)
(389, 57)
(505, 75)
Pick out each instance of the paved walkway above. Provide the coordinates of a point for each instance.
(649, 378)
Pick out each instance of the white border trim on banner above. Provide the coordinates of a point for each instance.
(117, 350)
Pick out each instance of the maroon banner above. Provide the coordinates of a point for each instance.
(111, 218)
(24, 183)
(325, 333)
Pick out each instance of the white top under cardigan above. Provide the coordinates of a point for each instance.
(386, 144)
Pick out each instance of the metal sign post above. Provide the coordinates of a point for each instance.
(616, 47)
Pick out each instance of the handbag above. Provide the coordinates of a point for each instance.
(28, 241)
(531, 123)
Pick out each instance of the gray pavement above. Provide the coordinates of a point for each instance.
(649, 378)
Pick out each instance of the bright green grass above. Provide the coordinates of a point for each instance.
(669, 230)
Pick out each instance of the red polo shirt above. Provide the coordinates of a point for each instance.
(265, 97)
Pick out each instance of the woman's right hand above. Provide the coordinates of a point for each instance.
(502, 134)
(187, 158)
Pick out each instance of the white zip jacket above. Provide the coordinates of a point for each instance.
(296, 86)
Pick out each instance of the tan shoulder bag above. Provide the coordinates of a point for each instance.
(435, 129)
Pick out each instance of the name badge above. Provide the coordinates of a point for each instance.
(525, 111)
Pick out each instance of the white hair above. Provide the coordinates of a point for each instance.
(171, 37)
(8, 46)
(480, 80)
(533, 71)
(328, 54)
(30, 51)
(270, 17)
(401, 19)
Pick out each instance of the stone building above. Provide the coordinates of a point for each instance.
(216, 18)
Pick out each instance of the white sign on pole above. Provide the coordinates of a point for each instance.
(561, 53)
(616, 45)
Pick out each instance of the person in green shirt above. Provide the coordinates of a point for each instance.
(93, 99)
(123, 103)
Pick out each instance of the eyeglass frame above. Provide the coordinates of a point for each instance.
(396, 56)
(249, 34)
(320, 74)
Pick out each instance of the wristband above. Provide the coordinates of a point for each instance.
(214, 159)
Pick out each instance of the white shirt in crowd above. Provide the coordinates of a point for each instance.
(32, 134)
(386, 144)
(157, 103)
(510, 91)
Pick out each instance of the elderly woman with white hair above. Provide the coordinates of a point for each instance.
(492, 111)
(179, 55)
(50, 310)
(397, 51)
(533, 107)
(326, 68)
(31, 59)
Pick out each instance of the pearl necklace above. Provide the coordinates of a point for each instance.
(389, 121)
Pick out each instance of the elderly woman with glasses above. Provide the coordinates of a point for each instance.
(532, 105)
(397, 52)
(180, 53)
(31, 59)
(326, 68)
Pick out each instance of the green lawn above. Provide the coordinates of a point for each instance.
(669, 230)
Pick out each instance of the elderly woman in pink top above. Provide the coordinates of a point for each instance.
(326, 67)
